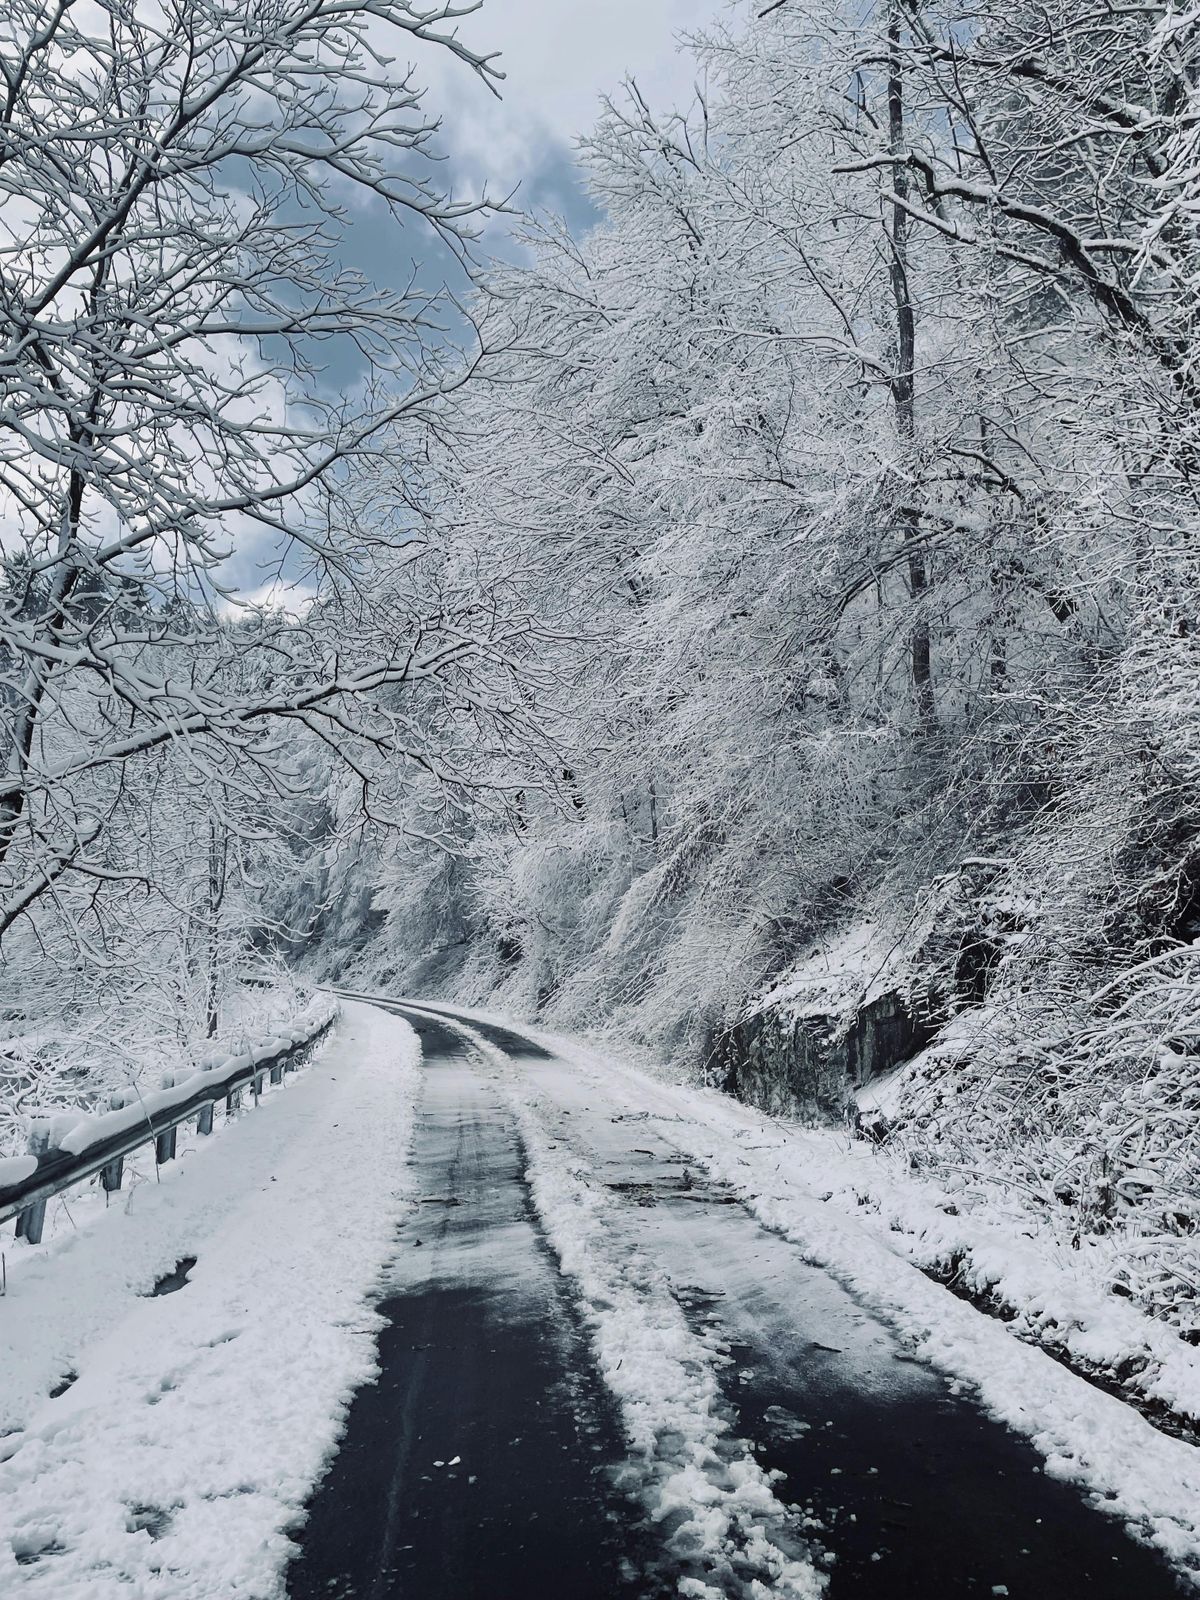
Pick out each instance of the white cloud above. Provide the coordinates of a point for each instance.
(559, 57)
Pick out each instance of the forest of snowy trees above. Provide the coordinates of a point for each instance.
(793, 574)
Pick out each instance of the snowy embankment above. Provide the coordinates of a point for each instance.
(813, 1188)
(196, 1423)
(1048, 1173)
(1046, 1289)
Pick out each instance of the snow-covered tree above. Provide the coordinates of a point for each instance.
(200, 400)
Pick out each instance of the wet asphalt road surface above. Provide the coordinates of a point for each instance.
(480, 1464)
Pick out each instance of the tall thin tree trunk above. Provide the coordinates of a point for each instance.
(218, 847)
(903, 383)
(39, 673)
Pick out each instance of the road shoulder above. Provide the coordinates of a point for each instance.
(196, 1422)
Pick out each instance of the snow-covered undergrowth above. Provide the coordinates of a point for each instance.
(986, 1233)
(1050, 1289)
(185, 1447)
(857, 1214)
(72, 1061)
(725, 1528)
(1090, 1137)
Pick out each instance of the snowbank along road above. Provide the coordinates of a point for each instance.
(602, 1374)
(158, 1445)
(549, 1326)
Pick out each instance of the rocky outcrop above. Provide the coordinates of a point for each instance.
(791, 1064)
(866, 1000)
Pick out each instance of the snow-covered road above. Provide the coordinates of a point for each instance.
(783, 1435)
(602, 1338)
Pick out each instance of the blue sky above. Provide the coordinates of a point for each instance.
(559, 58)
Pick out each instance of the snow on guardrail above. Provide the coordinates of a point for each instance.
(66, 1149)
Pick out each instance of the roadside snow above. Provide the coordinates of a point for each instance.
(1084, 1435)
(75, 1132)
(1050, 1293)
(185, 1449)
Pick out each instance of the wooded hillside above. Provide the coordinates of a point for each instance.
(852, 463)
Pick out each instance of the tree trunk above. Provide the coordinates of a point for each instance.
(218, 850)
(903, 384)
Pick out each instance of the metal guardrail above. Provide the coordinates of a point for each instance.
(100, 1143)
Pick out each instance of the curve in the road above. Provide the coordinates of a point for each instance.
(477, 1465)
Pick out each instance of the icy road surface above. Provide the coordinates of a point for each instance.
(603, 1375)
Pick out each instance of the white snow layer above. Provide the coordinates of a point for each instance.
(838, 976)
(178, 1460)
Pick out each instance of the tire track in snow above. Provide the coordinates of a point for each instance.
(726, 1534)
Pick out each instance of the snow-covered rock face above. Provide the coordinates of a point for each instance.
(810, 1064)
(842, 1016)
(967, 1041)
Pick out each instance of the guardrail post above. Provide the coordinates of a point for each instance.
(33, 1219)
(112, 1175)
(205, 1120)
(164, 1143)
(277, 1071)
(233, 1102)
